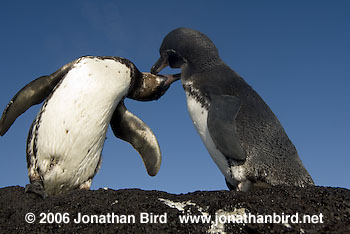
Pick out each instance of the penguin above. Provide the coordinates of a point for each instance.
(81, 99)
(241, 133)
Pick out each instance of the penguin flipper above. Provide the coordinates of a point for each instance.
(130, 128)
(33, 93)
(222, 125)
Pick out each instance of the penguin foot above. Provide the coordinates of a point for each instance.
(247, 185)
(261, 185)
(37, 188)
(242, 186)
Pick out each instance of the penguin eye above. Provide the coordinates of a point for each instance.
(175, 60)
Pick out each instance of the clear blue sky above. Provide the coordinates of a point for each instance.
(295, 54)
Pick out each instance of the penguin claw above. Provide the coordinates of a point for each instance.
(37, 188)
(247, 185)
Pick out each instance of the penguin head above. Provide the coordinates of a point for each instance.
(186, 49)
(148, 87)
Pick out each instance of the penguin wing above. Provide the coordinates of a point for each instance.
(222, 125)
(130, 128)
(33, 93)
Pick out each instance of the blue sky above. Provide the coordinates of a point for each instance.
(295, 54)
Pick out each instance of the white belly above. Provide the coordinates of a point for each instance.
(74, 122)
(199, 117)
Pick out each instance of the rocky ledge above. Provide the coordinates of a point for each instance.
(273, 210)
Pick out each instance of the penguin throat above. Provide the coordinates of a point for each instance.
(200, 97)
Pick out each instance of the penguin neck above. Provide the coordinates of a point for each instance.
(193, 90)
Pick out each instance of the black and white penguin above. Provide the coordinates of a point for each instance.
(241, 133)
(82, 98)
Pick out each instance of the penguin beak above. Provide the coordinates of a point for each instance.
(152, 87)
(167, 81)
(171, 79)
(159, 65)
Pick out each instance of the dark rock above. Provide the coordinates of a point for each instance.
(328, 207)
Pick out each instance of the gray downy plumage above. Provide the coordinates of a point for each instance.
(241, 133)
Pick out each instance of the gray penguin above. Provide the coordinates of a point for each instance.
(81, 99)
(241, 133)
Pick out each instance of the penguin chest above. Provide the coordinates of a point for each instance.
(199, 116)
(70, 129)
